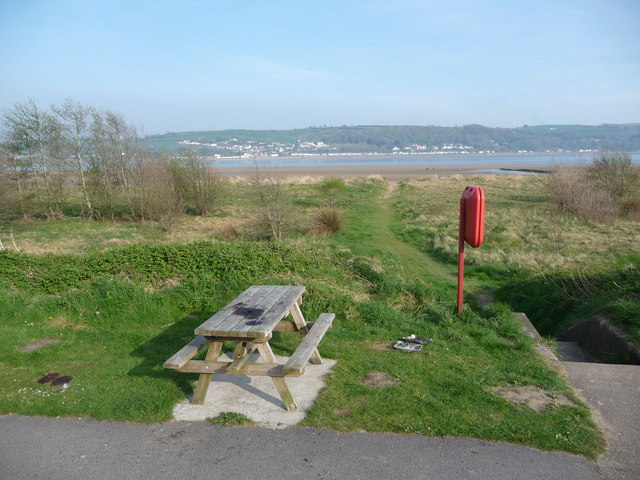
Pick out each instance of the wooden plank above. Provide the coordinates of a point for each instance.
(252, 310)
(298, 319)
(284, 326)
(240, 357)
(281, 385)
(289, 326)
(277, 312)
(303, 328)
(200, 393)
(263, 318)
(237, 339)
(240, 317)
(248, 311)
(256, 369)
(305, 350)
(233, 312)
(186, 353)
(316, 359)
(285, 394)
(231, 307)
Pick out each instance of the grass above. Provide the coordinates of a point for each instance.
(117, 327)
(555, 267)
(229, 419)
(444, 389)
(72, 235)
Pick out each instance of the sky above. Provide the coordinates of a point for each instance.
(193, 65)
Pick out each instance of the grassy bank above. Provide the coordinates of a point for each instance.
(555, 267)
(119, 313)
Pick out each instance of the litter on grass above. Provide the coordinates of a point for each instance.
(416, 339)
(407, 347)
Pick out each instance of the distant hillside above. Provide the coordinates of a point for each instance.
(402, 139)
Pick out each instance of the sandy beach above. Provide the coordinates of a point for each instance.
(389, 172)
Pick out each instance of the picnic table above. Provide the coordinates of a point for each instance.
(249, 320)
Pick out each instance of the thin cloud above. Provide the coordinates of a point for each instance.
(276, 70)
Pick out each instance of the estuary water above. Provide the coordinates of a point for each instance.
(461, 160)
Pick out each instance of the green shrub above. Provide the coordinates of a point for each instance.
(606, 189)
(613, 173)
(151, 264)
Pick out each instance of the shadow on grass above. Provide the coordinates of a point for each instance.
(164, 345)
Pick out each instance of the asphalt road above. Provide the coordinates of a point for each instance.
(614, 392)
(49, 448)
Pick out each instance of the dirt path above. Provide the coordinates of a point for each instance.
(417, 262)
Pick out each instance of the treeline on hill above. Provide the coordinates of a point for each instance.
(73, 159)
(385, 138)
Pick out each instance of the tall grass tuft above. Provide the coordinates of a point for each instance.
(228, 232)
(326, 221)
(332, 188)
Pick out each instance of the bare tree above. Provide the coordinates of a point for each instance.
(198, 183)
(122, 137)
(113, 146)
(13, 197)
(156, 196)
(275, 215)
(32, 133)
(74, 120)
(103, 175)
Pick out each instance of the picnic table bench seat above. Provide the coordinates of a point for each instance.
(308, 345)
(186, 353)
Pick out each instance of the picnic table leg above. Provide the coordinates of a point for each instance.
(240, 356)
(204, 381)
(285, 394)
(301, 324)
(240, 350)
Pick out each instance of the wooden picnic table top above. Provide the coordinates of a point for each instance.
(253, 314)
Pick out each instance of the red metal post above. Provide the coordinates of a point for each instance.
(463, 215)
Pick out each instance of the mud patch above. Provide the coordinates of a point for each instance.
(381, 346)
(61, 322)
(376, 379)
(341, 413)
(37, 345)
(533, 397)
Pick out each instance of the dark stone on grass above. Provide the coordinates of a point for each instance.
(62, 380)
(48, 377)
